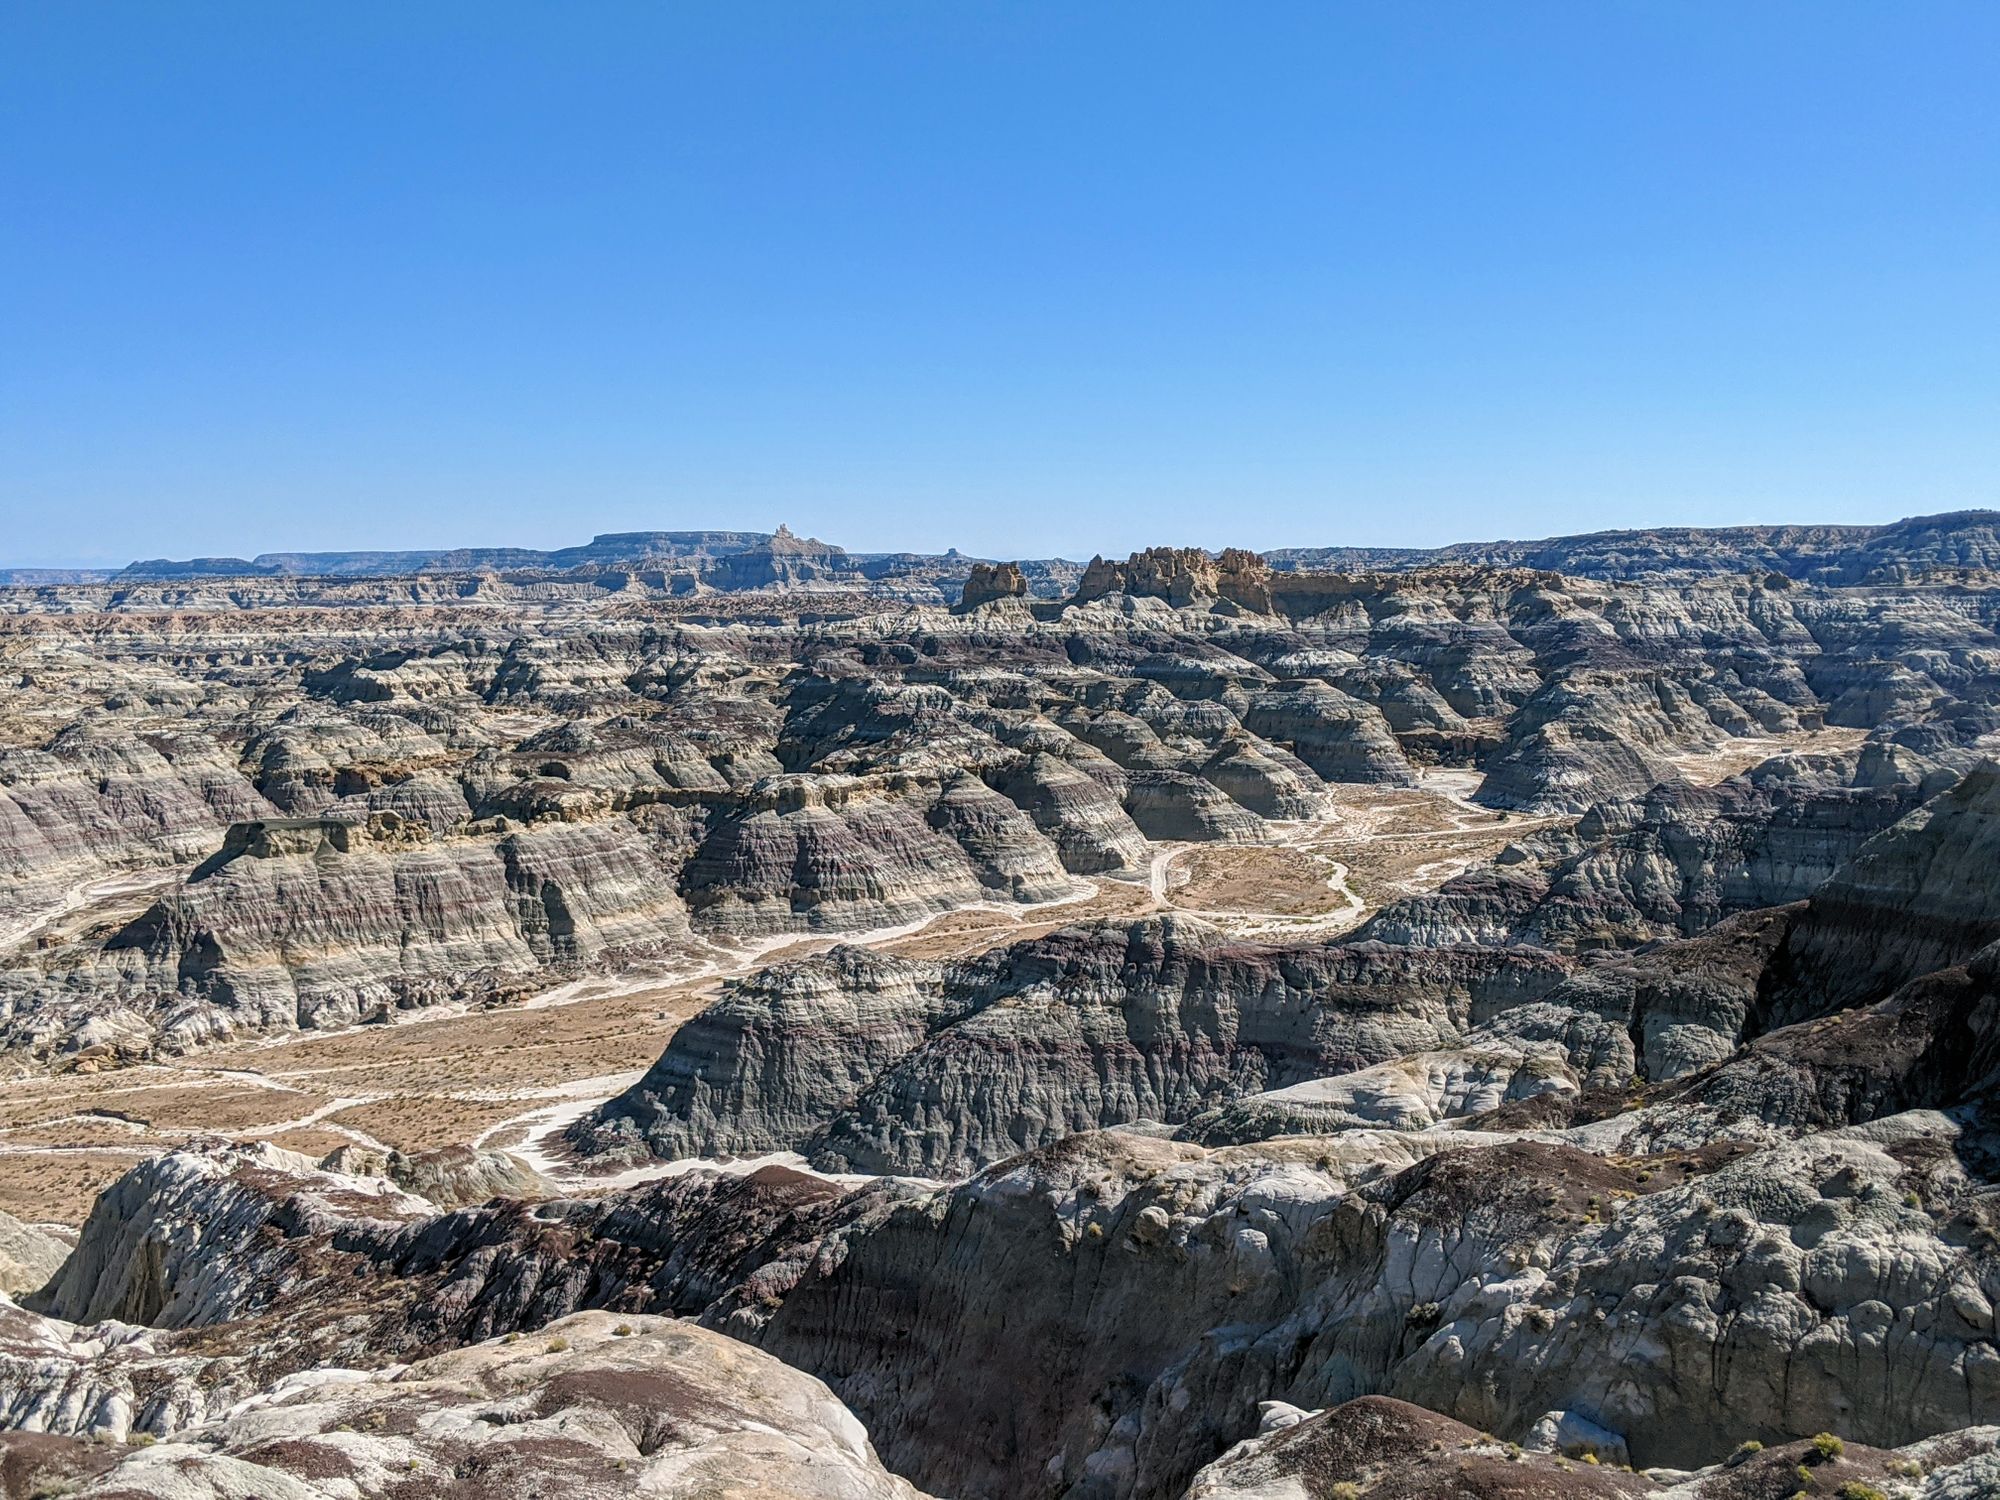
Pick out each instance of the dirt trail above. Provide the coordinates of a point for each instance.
(516, 1076)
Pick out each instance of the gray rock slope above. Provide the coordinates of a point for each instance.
(1674, 861)
(877, 1064)
(28, 1256)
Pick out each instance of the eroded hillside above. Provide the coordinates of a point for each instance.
(1221, 1031)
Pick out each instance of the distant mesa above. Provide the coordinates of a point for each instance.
(1955, 543)
(1966, 540)
(611, 549)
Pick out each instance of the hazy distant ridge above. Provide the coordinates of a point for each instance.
(1967, 539)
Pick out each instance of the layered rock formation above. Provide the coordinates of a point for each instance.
(595, 1405)
(990, 581)
(881, 1065)
(1668, 1130)
(1673, 862)
(1966, 540)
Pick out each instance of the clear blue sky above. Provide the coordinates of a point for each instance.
(1021, 277)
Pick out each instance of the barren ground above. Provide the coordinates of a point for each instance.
(502, 1076)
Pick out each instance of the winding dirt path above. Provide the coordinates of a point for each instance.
(515, 1077)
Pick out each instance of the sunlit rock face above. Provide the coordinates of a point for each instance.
(1662, 1127)
(597, 1404)
(544, 785)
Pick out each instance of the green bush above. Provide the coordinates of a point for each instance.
(1854, 1489)
(1745, 1451)
(1826, 1447)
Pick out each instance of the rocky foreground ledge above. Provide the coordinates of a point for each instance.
(1136, 1306)
(593, 1405)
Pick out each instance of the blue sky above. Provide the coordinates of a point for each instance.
(1025, 278)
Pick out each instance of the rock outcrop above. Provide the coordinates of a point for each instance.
(28, 1256)
(1916, 898)
(1672, 862)
(990, 581)
(594, 1406)
(1388, 1448)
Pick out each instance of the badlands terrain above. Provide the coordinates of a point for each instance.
(712, 1014)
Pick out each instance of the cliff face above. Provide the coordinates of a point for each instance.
(88, 804)
(990, 581)
(1917, 897)
(1671, 863)
(312, 923)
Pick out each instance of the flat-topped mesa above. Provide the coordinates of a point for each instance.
(782, 560)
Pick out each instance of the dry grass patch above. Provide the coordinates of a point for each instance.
(58, 1188)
